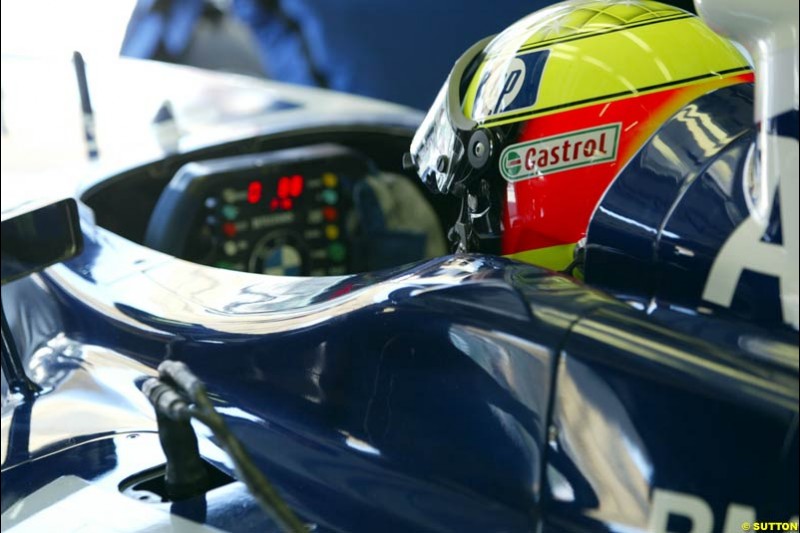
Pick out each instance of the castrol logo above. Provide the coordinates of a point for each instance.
(548, 155)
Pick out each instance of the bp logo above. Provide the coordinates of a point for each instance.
(509, 84)
(548, 155)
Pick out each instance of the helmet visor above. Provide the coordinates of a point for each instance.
(437, 149)
(436, 145)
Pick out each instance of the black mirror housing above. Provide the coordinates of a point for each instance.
(34, 239)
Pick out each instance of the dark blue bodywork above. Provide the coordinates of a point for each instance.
(466, 393)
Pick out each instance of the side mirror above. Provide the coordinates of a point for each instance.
(32, 240)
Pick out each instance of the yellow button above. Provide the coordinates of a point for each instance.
(332, 232)
(329, 179)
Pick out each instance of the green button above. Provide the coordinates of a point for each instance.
(224, 264)
(230, 212)
(330, 196)
(336, 252)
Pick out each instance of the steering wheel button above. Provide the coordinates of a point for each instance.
(230, 212)
(330, 213)
(332, 232)
(330, 180)
(223, 264)
(229, 229)
(330, 196)
(336, 252)
(230, 248)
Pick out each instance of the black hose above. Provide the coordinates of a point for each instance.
(269, 499)
(179, 395)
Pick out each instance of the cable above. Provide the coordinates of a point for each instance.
(271, 502)
(179, 395)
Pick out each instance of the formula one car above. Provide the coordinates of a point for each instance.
(247, 318)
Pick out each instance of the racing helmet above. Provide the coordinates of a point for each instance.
(533, 124)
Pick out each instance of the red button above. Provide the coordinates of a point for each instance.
(229, 229)
(330, 213)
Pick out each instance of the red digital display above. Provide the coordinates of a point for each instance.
(254, 192)
(288, 187)
(283, 187)
(296, 188)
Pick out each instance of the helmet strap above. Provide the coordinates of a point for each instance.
(478, 225)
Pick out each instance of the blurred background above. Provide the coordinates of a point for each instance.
(49, 28)
(396, 50)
